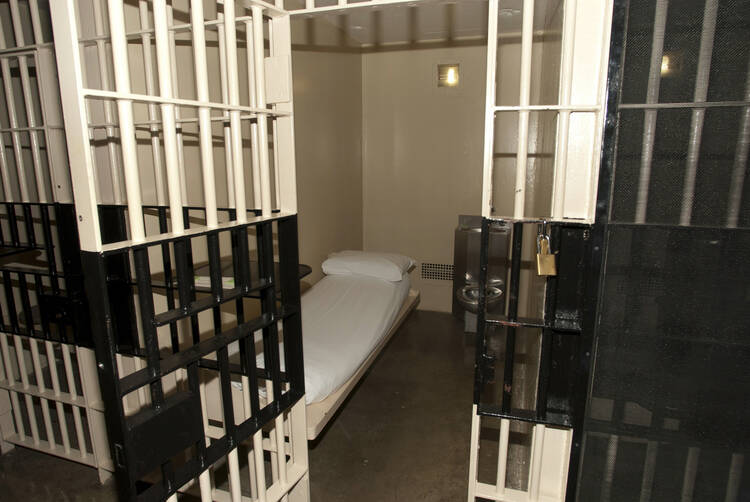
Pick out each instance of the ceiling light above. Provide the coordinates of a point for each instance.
(448, 75)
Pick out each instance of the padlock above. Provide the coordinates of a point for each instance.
(545, 259)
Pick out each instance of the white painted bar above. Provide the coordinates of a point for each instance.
(544, 108)
(44, 403)
(489, 115)
(698, 116)
(502, 456)
(101, 52)
(11, 378)
(260, 468)
(177, 113)
(649, 121)
(204, 114)
(735, 477)
(148, 65)
(523, 116)
(81, 439)
(23, 70)
(234, 474)
(649, 470)
(235, 126)
(23, 373)
(609, 468)
(274, 128)
(171, 161)
(55, 378)
(5, 172)
(535, 470)
(253, 98)
(260, 89)
(228, 157)
(474, 447)
(691, 469)
(125, 111)
(563, 118)
(737, 183)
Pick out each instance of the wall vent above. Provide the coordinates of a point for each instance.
(437, 271)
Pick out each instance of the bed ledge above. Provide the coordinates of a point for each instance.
(318, 414)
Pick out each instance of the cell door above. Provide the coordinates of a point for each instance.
(178, 118)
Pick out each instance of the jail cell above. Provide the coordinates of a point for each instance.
(180, 117)
(50, 396)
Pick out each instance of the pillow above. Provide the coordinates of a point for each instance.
(386, 266)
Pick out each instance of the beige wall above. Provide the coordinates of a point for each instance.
(328, 129)
(422, 156)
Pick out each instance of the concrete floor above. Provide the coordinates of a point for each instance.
(403, 435)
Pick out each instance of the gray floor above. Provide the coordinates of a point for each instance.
(402, 436)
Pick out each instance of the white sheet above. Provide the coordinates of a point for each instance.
(343, 319)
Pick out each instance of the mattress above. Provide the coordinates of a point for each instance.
(343, 319)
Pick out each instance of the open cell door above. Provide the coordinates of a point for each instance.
(190, 263)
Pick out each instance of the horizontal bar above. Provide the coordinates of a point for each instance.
(525, 322)
(191, 232)
(74, 454)
(30, 49)
(33, 390)
(542, 108)
(30, 129)
(212, 364)
(205, 303)
(553, 419)
(371, 4)
(145, 98)
(704, 104)
(193, 354)
(157, 122)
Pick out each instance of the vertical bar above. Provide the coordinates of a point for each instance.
(260, 468)
(148, 66)
(235, 125)
(146, 311)
(37, 362)
(4, 169)
(649, 470)
(563, 128)
(168, 115)
(510, 334)
(228, 157)
(23, 68)
(10, 103)
(127, 128)
(527, 35)
(253, 99)
(52, 363)
(10, 377)
(80, 439)
(204, 114)
(177, 113)
(260, 89)
(234, 475)
(101, 52)
(737, 184)
(21, 359)
(502, 457)
(609, 468)
(535, 470)
(649, 121)
(489, 109)
(698, 114)
(735, 477)
(691, 469)
(274, 128)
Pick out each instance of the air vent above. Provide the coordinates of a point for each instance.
(437, 271)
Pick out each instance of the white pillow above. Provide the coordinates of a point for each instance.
(387, 266)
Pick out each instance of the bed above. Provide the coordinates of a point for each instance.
(347, 319)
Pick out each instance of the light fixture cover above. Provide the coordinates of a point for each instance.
(448, 75)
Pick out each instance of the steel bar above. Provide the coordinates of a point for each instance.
(260, 89)
(204, 114)
(649, 121)
(55, 378)
(177, 113)
(72, 390)
(735, 477)
(21, 359)
(125, 112)
(698, 115)
(101, 53)
(228, 156)
(44, 403)
(274, 127)
(563, 118)
(11, 378)
(253, 100)
(502, 456)
(153, 113)
(535, 470)
(691, 470)
(737, 184)
(523, 116)
(169, 132)
(28, 99)
(235, 126)
(489, 108)
(649, 470)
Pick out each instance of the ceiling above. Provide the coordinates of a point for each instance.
(415, 22)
